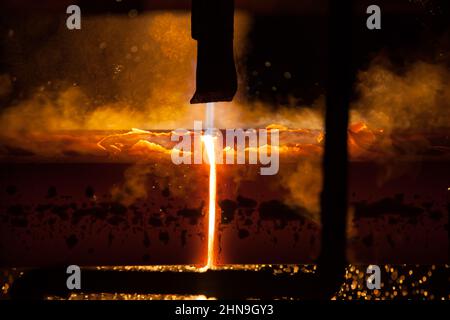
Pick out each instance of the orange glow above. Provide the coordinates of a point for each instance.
(208, 141)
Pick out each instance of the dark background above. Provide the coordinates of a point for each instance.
(290, 35)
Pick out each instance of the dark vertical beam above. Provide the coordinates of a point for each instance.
(213, 28)
(332, 259)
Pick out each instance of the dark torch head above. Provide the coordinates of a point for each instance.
(212, 27)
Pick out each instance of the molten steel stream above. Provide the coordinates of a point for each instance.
(208, 140)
